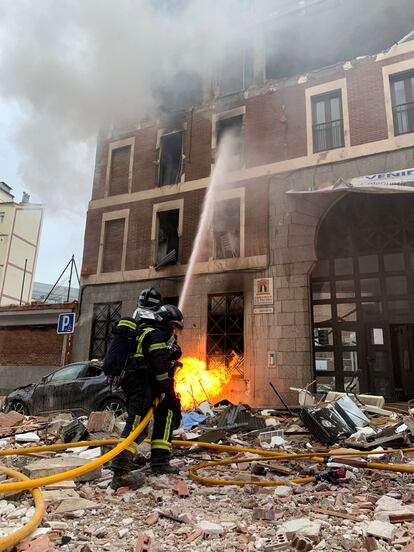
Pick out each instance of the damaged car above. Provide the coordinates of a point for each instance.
(80, 388)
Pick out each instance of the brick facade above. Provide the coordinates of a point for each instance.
(280, 229)
(29, 344)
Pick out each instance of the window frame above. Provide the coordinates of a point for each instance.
(106, 217)
(118, 144)
(403, 76)
(174, 205)
(326, 99)
(320, 90)
(235, 193)
(161, 133)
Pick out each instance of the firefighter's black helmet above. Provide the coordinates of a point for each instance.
(170, 315)
(150, 298)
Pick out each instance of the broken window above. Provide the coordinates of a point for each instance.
(167, 238)
(225, 332)
(226, 229)
(402, 94)
(327, 122)
(231, 126)
(120, 162)
(237, 73)
(105, 316)
(113, 245)
(170, 158)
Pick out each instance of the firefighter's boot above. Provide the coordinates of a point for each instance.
(160, 463)
(122, 466)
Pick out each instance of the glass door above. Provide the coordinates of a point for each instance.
(379, 361)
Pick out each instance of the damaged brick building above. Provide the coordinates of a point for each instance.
(296, 287)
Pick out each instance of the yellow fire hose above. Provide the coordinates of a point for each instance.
(17, 536)
(33, 484)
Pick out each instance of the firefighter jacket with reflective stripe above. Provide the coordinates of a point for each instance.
(153, 352)
(124, 334)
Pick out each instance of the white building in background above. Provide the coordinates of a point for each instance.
(59, 294)
(20, 227)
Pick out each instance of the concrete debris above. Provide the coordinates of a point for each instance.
(209, 528)
(346, 508)
(30, 437)
(50, 466)
(381, 530)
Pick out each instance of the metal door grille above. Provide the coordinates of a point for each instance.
(105, 316)
(225, 332)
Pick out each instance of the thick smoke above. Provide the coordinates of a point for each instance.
(74, 67)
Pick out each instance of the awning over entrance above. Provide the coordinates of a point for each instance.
(392, 182)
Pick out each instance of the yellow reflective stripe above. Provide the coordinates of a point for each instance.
(128, 324)
(140, 338)
(162, 377)
(137, 419)
(156, 346)
(168, 425)
(132, 447)
(161, 444)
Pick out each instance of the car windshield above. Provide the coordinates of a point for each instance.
(68, 373)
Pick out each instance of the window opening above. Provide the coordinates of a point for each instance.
(226, 229)
(327, 122)
(105, 316)
(167, 238)
(402, 96)
(2, 215)
(170, 158)
(237, 73)
(225, 333)
(234, 127)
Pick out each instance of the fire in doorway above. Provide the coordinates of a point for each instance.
(196, 383)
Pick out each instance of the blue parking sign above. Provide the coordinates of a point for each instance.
(66, 323)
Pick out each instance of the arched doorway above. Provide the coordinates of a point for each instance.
(362, 290)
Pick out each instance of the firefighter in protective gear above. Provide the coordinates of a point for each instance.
(149, 300)
(149, 373)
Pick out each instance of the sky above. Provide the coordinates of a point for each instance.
(69, 69)
(61, 237)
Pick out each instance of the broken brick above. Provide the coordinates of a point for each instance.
(301, 544)
(11, 419)
(39, 544)
(101, 421)
(194, 535)
(152, 519)
(143, 543)
(181, 488)
(261, 513)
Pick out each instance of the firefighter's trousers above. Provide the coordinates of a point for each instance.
(140, 391)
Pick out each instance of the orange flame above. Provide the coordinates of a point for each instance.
(195, 383)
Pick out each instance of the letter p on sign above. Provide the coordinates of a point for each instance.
(66, 323)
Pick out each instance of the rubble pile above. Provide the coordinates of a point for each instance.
(344, 507)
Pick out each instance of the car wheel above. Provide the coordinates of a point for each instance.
(115, 405)
(18, 406)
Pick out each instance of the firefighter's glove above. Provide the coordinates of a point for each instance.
(175, 351)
